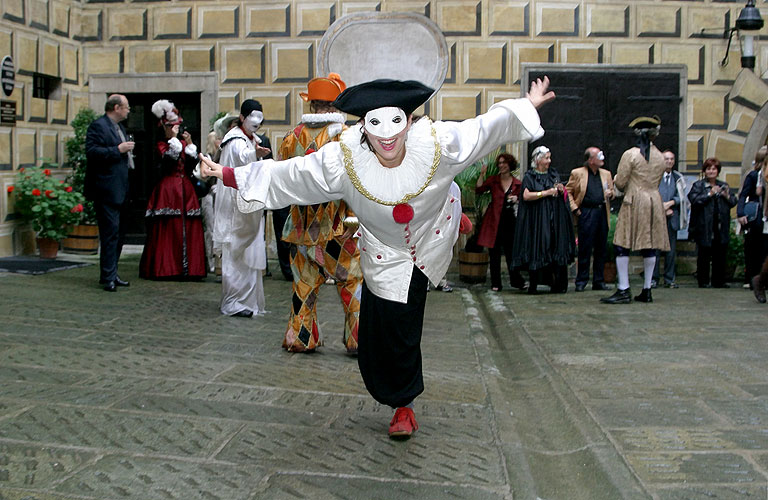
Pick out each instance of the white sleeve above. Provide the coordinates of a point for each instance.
(191, 150)
(174, 148)
(507, 121)
(242, 154)
(303, 180)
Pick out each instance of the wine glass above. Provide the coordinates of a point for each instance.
(130, 138)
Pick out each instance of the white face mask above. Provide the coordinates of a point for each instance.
(385, 122)
(253, 121)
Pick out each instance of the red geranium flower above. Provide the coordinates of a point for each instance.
(48, 193)
(11, 188)
(36, 192)
(47, 171)
(77, 208)
(68, 189)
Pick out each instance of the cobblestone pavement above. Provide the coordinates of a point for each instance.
(149, 393)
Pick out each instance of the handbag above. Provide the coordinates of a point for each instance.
(752, 210)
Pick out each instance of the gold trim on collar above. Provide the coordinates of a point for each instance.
(350, 168)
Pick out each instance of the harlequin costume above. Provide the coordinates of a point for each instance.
(409, 222)
(175, 245)
(318, 233)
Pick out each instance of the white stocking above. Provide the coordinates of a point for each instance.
(648, 264)
(622, 270)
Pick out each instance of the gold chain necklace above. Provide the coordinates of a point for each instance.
(350, 168)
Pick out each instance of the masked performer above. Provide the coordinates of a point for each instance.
(175, 246)
(241, 236)
(395, 172)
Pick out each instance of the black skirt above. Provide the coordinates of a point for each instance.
(389, 344)
(544, 231)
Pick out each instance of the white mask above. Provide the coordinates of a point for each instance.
(253, 121)
(385, 122)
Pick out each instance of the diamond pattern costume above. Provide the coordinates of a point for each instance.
(321, 249)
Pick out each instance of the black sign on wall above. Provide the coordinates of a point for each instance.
(8, 113)
(7, 76)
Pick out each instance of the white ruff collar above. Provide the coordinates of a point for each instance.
(390, 186)
(315, 120)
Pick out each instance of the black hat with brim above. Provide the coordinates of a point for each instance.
(359, 99)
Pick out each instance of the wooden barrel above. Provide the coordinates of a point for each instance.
(84, 239)
(473, 266)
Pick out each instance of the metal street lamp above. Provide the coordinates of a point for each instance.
(749, 21)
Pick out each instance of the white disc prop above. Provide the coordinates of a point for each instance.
(366, 46)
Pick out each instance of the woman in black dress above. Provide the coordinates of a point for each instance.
(544, 239)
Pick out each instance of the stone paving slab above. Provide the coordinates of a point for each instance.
(26, 466)
(113, 430)
(149, 478)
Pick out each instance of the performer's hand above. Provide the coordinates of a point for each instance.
(539, 94)
(483, 170)
(209, 168)
(560, 188)
(261, 151)
(126, 146)
(174, 132)
(186, 136)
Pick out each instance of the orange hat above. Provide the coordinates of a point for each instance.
(324, 89)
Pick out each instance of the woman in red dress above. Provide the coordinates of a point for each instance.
(175, 247)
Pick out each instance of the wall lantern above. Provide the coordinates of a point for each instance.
(748, 22)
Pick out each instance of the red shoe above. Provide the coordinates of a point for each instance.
(403, 424)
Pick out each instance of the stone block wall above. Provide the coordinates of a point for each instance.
(267, 50)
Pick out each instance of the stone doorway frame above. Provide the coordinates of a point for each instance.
(99, 86)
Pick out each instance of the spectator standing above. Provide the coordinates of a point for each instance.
(711, 202)
(760, 281)
(676, 208)
(590, 189)
(751, 200)
(544, 242)
(497, 230)
(106, 184)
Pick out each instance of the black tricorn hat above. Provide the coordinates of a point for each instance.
(360, 99)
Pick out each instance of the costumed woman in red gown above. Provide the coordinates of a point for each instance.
(175, 247)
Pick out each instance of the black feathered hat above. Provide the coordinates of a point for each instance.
(360, 99)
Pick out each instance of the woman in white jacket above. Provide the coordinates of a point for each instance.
(395, 173)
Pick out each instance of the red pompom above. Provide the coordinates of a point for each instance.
(402, 213)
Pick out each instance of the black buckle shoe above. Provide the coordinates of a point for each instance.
(121, 282)
(645, 296)
(618, 297)
(110, 286)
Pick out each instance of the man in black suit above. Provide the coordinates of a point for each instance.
(106, 183)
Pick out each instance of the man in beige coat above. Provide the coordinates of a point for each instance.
(590, 189)
(642, 223)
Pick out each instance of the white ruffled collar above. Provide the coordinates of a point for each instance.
(316, 120)
(389, 186)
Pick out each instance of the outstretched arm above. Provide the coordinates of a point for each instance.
(539, 94)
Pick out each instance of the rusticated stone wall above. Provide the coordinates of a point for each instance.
(267, 49)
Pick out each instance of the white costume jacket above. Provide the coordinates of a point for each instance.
(435, 153)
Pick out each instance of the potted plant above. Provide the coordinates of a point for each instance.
(84, 237)
(49, 204)
(473, 260)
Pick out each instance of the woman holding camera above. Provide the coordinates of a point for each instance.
(175, 247)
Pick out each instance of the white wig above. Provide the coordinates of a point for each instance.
(538, 154)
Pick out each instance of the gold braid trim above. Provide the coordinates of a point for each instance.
(350, 168)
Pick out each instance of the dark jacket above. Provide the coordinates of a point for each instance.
(703, 210)
(106, 175)
(749, 193)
